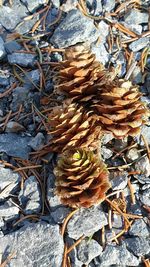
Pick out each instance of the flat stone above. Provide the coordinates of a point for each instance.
(138, 245)
(24, 60)
(116, 255)
(52, 198)
(34, 4)
(14, 127)
(15, 145)
(101, 53)
(73, 29)
(134, 16)
(26, 26)
(139, 228)
(8, 18)
(2, 49)
(108, 5)
(32, 77)
(30, 196)
(139, 44)
(9, 181)
(94, 7)
(60, 214)
(88, 250)
(145, 197)
(136, 75)
(37, 244)
(12, 46)
(106, 152)
(37, 142)
(20, 97)
(8, 211)
(143, 165)
(119, 180)
(86, 222)
(133, 27)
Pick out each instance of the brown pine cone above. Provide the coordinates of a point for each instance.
(72, 126)
(81, 179)
(80, 74)
(119, 109)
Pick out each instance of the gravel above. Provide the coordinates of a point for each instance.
(52, 198)
(145, 197)
(30, 196)
(135, 16)
(60, 214)
(34, 4)
(12, 46)
(139, 44)
(143, 165)
(20, 97)
(73, 29)
(19, 148)
(24, 60)
(2, 49)
(139, 228)
(9, 181)
(138, 245)
(37, 245)
(108, 5)
(37, 142)
(116, 255)
(14, 127)
(119, 180)
(100, 53)
(9, 211)
(88, 250)
(86, 222)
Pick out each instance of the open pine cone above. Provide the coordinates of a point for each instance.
(80, 74)
(119, 109)
(72, 126)
(81, 179)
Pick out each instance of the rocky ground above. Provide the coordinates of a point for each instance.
(33, 228)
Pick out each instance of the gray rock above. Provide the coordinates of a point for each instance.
(103, 29)
(24, 60)
(14, 127)
(94, 7)
(139, 228)
(145, 130)
(134, 16)
(20, 97)
(37, 142)
(73, 29)
(138, 245)
(86, 222)
(147, 82)
(88, 250)
(75, 262)
(30, 196)
(136, 75)
(4, 78)
(143, 165)
(119, 180)
(33, 5)
(106, 152)
(37, 244)
(9, 181)
(117, 221)
(9, 18)
(60, 214)
(52, 198)
(69, 5)
(121, 63)
(133, 27)
(56, 3)
(142, 179)
(32, 77)
(108, 5)
(26, 26)
(116, 255)
(139, 44)
(2, 49)
(101, 53)
(12, 46)
(15, 145)
(8, 211)
(107, 137)
(133, 154)
(145, 197)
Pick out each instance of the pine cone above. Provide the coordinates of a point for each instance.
(119, 109)
(80, 74)
(81, 179)
(72, 126)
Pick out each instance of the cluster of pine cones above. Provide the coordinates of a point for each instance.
(96, 102)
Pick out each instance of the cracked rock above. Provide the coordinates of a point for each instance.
(86, 222)
(30, 196)
(138, 245)
(9, 181)
(73, 29)
(37, 244)
(139, 228)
